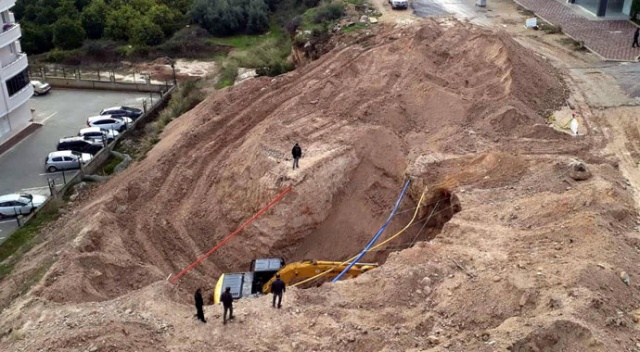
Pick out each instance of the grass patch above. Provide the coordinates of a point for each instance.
(185, 98)
(355, 27)
(228, 74)
(5, 269)
(23, 238)
(110, 165)
(245, 41)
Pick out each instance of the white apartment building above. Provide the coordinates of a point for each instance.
(15, 88)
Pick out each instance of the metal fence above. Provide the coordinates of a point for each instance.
(114, 75)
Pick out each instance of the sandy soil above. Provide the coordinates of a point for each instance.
(522, 257)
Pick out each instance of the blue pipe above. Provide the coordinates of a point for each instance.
(375, 238)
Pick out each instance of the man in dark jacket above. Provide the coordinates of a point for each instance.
(636, 34)
(227, 302)
(199, 304)
(297, 153)
(278, 288)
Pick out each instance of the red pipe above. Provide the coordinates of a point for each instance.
(221, 243)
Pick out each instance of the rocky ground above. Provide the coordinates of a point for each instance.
(534, 247)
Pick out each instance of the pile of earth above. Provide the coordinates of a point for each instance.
(458, 109)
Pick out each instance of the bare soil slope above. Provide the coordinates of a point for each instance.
(531, 262)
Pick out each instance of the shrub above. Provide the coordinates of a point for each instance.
(551, 29)
(56, 55)
(292, 25)
(189, 42)
(228, 74)
(100, 49)
(275, 68)
(328, 13)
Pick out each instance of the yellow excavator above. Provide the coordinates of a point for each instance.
(263, 272)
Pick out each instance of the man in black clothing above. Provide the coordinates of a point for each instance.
(297, 153)
(227, 302)
(278, 288)
(635, 38)
(199, 304)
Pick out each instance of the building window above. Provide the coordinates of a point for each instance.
(17, 82)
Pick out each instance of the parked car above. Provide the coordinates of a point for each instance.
(131, 113)
(64, 160)
(97, 134)
(109, 122)
(80, 144)
(399, 4)
(19, 203)
(40, 88)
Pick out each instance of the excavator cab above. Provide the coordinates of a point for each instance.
(251, 282)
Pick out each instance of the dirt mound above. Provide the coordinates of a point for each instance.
(362, 115)
(519, 251)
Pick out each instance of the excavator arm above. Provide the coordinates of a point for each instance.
(298, 271)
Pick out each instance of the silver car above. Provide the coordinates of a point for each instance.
(98, 134)
(65, 159)
(109, 122)
(19, 204)
(40, 88)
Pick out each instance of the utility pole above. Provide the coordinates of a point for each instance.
(173, 68)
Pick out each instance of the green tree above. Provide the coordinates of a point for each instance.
(257, 17)
(227, 17)
(119, 22)
(138, 5)
(145, 32)
(67, 9)
(169, 20)
(36, 39)
(93, 19)
(68, 34)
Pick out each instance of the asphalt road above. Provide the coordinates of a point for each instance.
(62, 112)
(460, 8)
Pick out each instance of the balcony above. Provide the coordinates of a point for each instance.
(10, 35)
(15, 66)
(20, 97)
(6, 4)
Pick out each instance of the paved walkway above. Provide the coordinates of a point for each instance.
(611, 39)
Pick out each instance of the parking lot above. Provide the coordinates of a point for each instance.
(62, 112)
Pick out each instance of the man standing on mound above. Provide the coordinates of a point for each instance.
(278, 288)
(227, 303)
(199, 304)
(297, 153)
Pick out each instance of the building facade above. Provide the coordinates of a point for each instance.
(603, 8)
(15, 87)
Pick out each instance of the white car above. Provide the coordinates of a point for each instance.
(109, 122)
(40, 88)
(98, 134)
(19, 203)
(399, 4)
(65, 159)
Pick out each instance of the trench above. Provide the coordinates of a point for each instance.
(438, 208)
